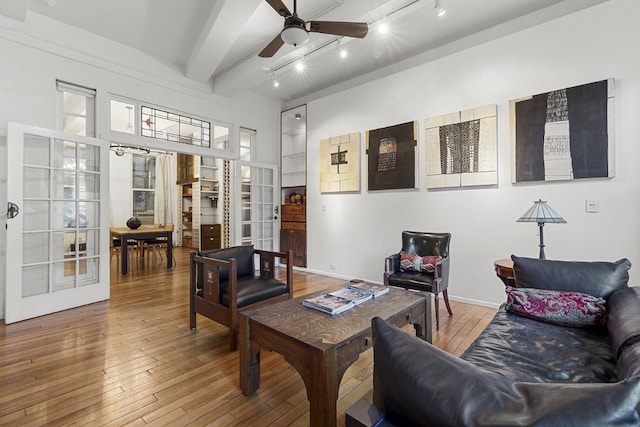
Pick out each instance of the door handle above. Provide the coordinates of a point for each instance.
(12, 210)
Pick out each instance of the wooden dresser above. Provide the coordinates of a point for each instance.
(210, 237)
(293, 227)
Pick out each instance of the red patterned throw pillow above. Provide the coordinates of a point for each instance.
(562, 308)
(411, 262)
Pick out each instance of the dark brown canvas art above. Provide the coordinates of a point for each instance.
(391, 157)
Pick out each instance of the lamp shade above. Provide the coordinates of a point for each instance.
(295, 35)
(541, 213)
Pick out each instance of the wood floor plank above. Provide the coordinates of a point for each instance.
(133, 360)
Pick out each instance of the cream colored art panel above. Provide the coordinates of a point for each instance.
(340, 164)
(461, 148)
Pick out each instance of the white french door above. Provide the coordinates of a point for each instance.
(57, 244)
(258, 202)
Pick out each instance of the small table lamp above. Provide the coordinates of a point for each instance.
(541, 213)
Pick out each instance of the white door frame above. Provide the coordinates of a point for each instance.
(18, 307)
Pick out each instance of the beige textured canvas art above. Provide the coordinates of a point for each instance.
(461, 148)
(340, 164)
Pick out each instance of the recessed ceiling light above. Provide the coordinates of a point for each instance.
(300, 65)
(440, 11)
(383, 28)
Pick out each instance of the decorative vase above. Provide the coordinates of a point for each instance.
(134, 222)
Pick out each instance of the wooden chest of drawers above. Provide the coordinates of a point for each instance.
(210, 237)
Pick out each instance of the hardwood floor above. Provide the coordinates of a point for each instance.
(134, 361)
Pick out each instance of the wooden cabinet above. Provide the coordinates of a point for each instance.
(210, 237)
(293, 217)
(293, 226)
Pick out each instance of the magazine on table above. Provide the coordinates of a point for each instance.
(328, 303)
(355, 295)
(371, 288)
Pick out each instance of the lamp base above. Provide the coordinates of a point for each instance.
(541, 225)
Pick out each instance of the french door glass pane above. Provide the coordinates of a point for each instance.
(64, 155)
(88, 185)
(35, 280)
(35, 248)
(89, 214)
(63, 245)
(88, 271)
(36, 215)
(88, 158)
(35, 183)
(36, 150)
(64, 275)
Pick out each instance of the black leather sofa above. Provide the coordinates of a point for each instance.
(519, 371)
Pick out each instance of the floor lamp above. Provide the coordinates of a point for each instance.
(541, 213)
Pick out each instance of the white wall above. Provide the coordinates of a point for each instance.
(29, 71)
(355, 232)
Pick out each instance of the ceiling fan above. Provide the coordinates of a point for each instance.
(295, 30)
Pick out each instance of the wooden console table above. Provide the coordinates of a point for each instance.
(320, 346)
(504, 271)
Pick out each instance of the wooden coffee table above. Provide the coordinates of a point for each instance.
(320, 346)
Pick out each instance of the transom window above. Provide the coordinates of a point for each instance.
(174, 127)
(76, 105)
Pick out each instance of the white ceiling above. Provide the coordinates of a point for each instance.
(218, 40)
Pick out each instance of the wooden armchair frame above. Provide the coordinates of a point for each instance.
(209, 304)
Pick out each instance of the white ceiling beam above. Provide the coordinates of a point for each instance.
(226, 22)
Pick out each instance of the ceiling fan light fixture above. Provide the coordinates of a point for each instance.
(295, 35)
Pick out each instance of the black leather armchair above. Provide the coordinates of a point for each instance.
(223, 281)
(422, 244)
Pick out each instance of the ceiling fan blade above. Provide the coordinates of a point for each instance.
(272, 47)
(279, 7)
(349, 29)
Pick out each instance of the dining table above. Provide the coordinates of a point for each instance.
(126, 234)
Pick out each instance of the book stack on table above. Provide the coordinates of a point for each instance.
(356, 292)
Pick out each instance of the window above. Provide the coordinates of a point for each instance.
(247, 138)
(122, 116)
(175, 127)
(144, 185)
(76, 108)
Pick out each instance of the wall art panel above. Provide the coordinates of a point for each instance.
(461, 148)
(564, 134)
(340, 164)
(391, 157)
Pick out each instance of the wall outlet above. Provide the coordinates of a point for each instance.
(592, 206)
(333, 267)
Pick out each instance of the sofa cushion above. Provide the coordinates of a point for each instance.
(417, 384)
(624, 319)
(559, 307)
(528, 350)
(252, 290)
(596, 278)
(412, 262)
(244, 260)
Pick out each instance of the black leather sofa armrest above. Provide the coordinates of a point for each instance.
(365, 414)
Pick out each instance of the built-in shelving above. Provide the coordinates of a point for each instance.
(199, 197)
(293, 231)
